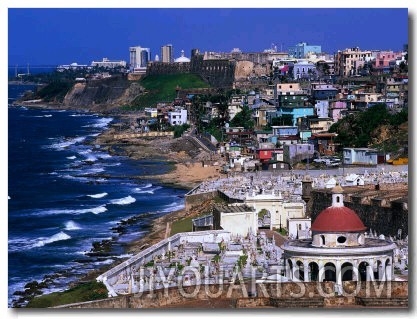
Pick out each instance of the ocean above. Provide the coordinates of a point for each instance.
(65, 193)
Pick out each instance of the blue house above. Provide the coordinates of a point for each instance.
(284, 130)
(300, 50)
(297, 111)
(360, 156)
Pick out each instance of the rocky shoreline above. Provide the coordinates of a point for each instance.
(186, 172)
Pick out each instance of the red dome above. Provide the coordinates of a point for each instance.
(337, 219)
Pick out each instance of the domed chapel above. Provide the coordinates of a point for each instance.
(338, 249)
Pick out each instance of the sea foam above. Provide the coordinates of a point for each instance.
(64, 143)
(146, 189)
(101, 195)
(94, 210)
(57, 237)
(123, 201)
(71, 225)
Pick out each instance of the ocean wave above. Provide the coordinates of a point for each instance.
(87, 179)
(66, 142)
(57, 237)
(101, 195)
(79, 115)
(93, 170)
(94, 210)
(173, 206)
(89, 157)
(72, 157)
(76, 178)
(46, 115)
(123, 201)
(112, 164)
(145, 189)
(123, 256)
(104, 156)
(101, 123)
(103, 262)
(71, 225)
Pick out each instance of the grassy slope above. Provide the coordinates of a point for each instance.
(83, 292)
(161, 88)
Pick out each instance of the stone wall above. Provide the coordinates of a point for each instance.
(288, 294)
(141, 135)
(218, 73)
(167, 68)
(222, 73)
(385, 219)
(243, 70)
(192, 200)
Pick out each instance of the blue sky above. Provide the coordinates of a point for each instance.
(64, 35)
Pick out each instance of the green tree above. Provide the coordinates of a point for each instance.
(356, 130)
(180, 129)
(243, 118)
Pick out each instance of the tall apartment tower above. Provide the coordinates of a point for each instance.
(139, 57)
(348, 62)
(167, 53)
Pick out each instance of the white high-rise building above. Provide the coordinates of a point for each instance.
(167, 53)
(139, 58)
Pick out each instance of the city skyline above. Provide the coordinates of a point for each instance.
(67, 35)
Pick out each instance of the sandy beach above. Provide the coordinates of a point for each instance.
(187, 160)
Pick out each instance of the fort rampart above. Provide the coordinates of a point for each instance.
(251, 295)
(384, 209)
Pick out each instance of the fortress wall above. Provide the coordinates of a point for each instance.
(218, 73)
(383, 219)
(267, 294)
(197, 199)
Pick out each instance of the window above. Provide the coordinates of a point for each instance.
(341, 239)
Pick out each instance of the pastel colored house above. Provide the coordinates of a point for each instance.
(177, 117)
(362, 156)
(337, 110)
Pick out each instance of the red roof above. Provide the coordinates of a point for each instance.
(337, 219)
